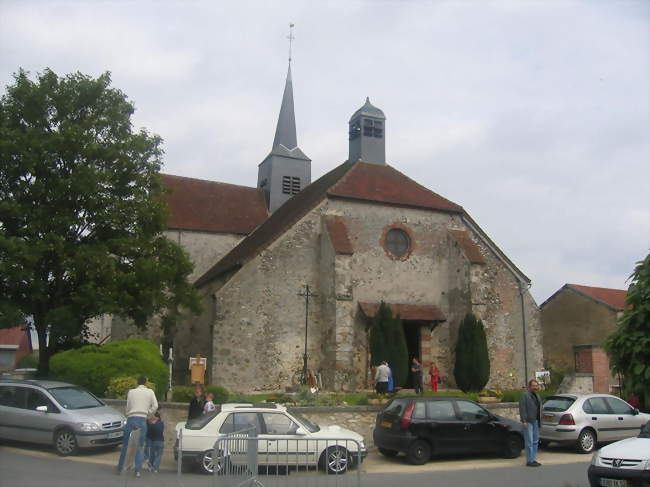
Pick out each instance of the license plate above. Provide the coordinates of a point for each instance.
(547, 417)
(386, 424)
(117, 434)
(613, 483)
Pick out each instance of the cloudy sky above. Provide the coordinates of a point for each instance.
(533, 115)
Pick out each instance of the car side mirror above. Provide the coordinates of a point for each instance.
(42, 409)
(301, 431)
(635, 411)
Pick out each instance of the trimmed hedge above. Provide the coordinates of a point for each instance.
(186, 393)
(93, 366)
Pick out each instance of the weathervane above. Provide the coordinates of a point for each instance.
(291, 38)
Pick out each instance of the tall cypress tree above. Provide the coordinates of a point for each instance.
(379, 335)
(399, 359)
(472, 367)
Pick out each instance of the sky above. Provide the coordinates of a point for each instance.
(532, 115)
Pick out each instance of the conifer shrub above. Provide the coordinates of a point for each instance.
(93, 366)
(472, 367)
(387, 342)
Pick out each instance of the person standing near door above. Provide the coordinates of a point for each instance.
(434, 373)
(530, 413)
(416, 371)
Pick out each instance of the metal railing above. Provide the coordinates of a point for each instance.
(245, 459)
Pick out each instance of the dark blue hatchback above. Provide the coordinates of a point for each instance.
(424, 426)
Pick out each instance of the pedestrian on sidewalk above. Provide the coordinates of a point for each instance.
(416, 371)
(530, 413)
(196, 404)
(140, 403)
(381, 378)
(209, 406)
(434, 373)
(155, 441)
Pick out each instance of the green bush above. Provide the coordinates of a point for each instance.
(93, 366)
(182, 393)
(186, 394)
(512, 395)
(472, 367)
(119, 387)
(220, 394)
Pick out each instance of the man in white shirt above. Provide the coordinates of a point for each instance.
(140, 403)
(381, 378)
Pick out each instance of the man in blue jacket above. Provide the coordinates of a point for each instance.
(530, 413)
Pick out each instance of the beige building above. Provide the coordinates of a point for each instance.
(361, 234)
(576, 320)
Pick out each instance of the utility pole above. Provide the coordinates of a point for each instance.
(307, 294)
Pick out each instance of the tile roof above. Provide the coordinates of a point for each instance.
(338, 233)
(357, 181)
(615, 298)
(385, 184)
(208, 206)
(421, 312)
(467, 245)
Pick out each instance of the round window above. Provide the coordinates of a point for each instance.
(398, 242)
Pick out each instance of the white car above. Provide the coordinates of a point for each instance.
(283, 438)
(622, 464)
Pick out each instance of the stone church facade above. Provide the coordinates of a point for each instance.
(359, 235)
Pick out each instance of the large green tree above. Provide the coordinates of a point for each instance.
(629, 346)
(81, 212)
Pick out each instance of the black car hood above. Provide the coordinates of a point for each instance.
(512, 424)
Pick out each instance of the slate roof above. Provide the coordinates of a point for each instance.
(612, 298)
(208, 206)
(359, 181)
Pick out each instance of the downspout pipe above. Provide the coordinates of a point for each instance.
(523, 288)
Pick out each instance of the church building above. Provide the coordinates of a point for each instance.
(361, 234)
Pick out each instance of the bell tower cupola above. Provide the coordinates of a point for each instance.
(367, 131)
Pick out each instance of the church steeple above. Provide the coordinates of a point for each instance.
(285, 132)
(286, 170)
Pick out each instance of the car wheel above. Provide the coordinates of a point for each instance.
(65, 443)
(586, 441)
(419, 452)
(207, 465)
(388, 453)
(336, 460)
(543, 443)
(514, 445)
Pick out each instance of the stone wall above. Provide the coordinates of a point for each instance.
(360, 419)
(259, 320)
(570, 319)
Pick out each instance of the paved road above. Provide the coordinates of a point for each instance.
(22, 466)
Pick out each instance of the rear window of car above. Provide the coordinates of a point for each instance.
(199, 422)
(395, 406)
(75, 398)
(557, 403)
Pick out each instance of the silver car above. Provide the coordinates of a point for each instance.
(589, 419)
(64, 415)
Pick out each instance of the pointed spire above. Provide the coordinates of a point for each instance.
(285, 132)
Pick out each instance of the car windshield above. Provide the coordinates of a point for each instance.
(558, 403)
(75, 398)
(305, 423)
